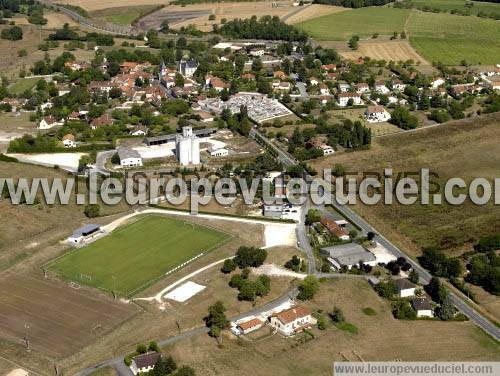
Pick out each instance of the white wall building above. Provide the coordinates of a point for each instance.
(422, 307)
(345, 97)
(187, 147)
(404, 288)
(144, 363)
(376, 114)
(221, 152)
(129, 157)
(292, 320)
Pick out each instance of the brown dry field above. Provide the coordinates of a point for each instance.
(380, 337)
(60, 319)
(91, 5)
(229, 11)
(314, 11)
(385, 50)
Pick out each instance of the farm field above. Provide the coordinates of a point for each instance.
(450, 39)
(313, 11)
(465, 149)
(60, 319)
(23, 84)
(380, 337)
(123, 15)
(136, 254)
(342, 26)
(383, 50)
(91, 5)
(448, 5)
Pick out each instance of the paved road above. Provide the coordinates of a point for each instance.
(302, 89)
(459, 301)
(100, 162)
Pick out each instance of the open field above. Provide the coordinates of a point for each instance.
(135, 254)
(57, 318)
(465, 149)
(379, 337)
(91, 5)
(123, 15)
(384, 50)
(450, 39)
(198, 14)
(448, 5)
(34, 229)
(314, 11)
(363, 22)
(22, 85)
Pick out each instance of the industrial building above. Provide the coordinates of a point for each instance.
(348, 255)
(129, 157)
(187, 147)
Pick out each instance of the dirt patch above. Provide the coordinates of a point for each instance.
(56, 318)
(313, 11)
(91, 5)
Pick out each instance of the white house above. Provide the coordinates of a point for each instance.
(139, 131)
(381, 88)
(344, 87)
(222, 152)
(144, 363)
(422, 307)
(314, 81)
(437, 82)
(292, 320)
(405, 288)
(345, 97)
(69, 141)
(49, 122)
(327, 150)
(362, 87)
(84, 233)
(398, 85)
(129, 157)
(258, 51)
(376, 114)
(323, 89)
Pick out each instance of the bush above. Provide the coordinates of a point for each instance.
(228, 267)
(369, 311)
(402, 310)
(13, 33)
(308, 288)
(337, 315)
(250, 257)
(92, 211)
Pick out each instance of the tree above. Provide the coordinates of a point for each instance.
(435, 290)
(386, 289)
(153, 346)
(92, 211)
(262, 285)
(414, 276)
(236, 281)
(308, 288)
(403, 119)
(164, 366)
(353, 42)
(248, 290)
(402, 310)
(228, 266)
(446, 311)
(313, 216)
(337, 315)
(165, 27)
(216, 319)
(141, 349)
(250, 257)
(13, 33)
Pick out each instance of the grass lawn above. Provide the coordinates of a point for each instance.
(123, 15)
(450, 39)
(363, 22)
(24, 84)
(136, 254)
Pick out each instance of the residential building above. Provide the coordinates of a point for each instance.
(376, 114)
(327, 150)
(257, 52)
(335, 229)
(221, 152)
(422, 307)
(345, 97)
(381, 88)
(274, 210)
(68, 141)
(437, 82)
(323, 89)
(292, 320)
(314, 81)
(102, 121)
(405, 288)
(362, 88)
(129, 157)
(144, 363)
(49, 122)
(398, 85)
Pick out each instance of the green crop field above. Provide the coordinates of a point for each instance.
(135, 255)
(450, 39)
(23, 84)
(123, 15)
(363, 22)
(449, 5)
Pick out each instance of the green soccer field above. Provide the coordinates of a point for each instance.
(135, 255)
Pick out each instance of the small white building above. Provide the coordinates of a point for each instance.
(323, 89)
(69, 141)
(344, 87)
(221, 152)
(404, 288)
(314, 81)
(144, 363)
(376, 114)
(422, 307)
(129, 157)
(381, 88)
(292, 320)
(327, 150)
(49, 122)
(345, 97)
(257, 51)
(437, 82)
(84, 233)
